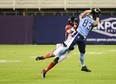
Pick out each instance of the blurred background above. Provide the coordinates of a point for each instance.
(44, 21)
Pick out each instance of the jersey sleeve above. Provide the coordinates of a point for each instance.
(66, 29)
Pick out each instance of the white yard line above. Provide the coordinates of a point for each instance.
(9, 61)
(112, 50)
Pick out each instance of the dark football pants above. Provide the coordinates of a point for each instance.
(80, 41)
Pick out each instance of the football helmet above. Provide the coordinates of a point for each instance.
(72, 19)
(96, 11)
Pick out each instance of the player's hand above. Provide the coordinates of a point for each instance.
(71, 30)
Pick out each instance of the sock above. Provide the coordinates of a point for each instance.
(49, 55)
(82, 59)
(51, 65)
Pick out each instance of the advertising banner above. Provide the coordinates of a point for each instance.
(105, 33)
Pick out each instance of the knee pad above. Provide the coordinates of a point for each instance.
(56, 60)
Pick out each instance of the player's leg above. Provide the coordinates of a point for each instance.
(82, 46)
(53, 63)
(50, 66)
(74, 42)
(62, 57)
(58, 50)
(49, 55)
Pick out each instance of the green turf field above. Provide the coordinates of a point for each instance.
(18, 65)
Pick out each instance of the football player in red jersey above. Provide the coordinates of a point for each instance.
(72, 22)
(60, 51)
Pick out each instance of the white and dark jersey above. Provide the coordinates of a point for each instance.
(85, 25)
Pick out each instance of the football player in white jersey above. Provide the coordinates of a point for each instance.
(88, 20)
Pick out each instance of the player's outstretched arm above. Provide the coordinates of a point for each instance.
(85, 13)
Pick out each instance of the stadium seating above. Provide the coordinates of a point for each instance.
(44, 4)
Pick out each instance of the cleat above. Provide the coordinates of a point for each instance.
(43, 74)
(84, 68)
(39, 58)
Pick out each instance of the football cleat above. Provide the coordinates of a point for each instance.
(40, 58)
(43, 74)
(84, 68)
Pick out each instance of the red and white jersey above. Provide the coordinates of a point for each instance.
(66, 29)
(69, 27)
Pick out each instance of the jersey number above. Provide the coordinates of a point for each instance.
(87, 24)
